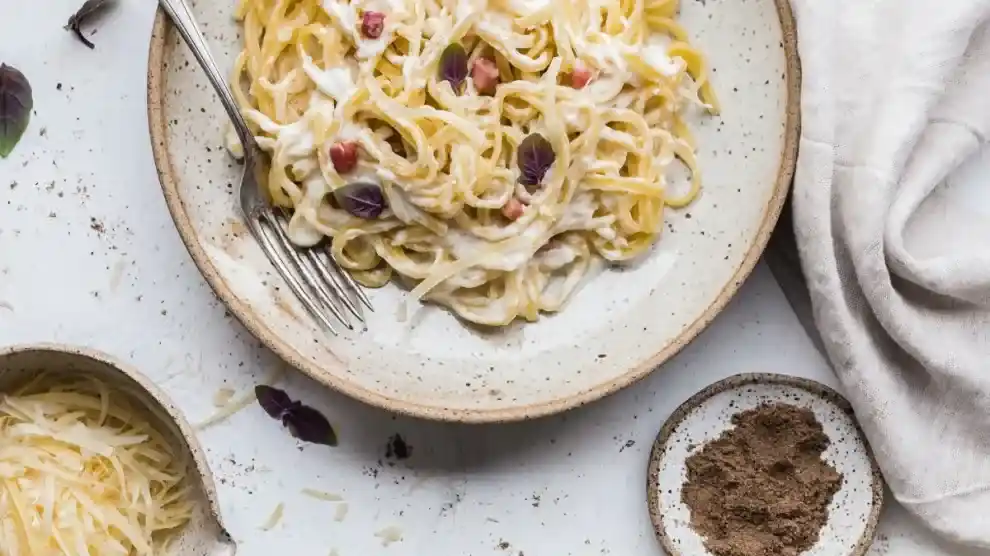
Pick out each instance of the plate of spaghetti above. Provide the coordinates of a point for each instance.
(546, 199)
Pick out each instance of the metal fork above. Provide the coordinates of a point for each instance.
(313, 276)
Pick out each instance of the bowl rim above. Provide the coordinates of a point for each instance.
(829, 394)
(185, 430)
(156, 83)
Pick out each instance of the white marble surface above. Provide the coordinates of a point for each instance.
(88, 255)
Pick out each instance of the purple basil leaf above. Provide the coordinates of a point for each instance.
(309, 425)
(275, 402)
(16, 102)
(535, 156)
(89, 10)
(362, 199)
(454, 65)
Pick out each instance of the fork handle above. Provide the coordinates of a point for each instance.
(182, 17)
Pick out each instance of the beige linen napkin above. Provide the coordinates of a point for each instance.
(895, 97)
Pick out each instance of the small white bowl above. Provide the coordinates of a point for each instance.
(855, 508)
(204, 535)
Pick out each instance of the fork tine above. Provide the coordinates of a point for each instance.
(268, 246)
(315, 283)
(358, 290)
(332, 280)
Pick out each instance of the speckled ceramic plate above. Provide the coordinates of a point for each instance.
(617, 329)
(204, 535)
(855, 508)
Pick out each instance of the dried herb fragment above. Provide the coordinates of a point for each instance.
(89, 10)
(534, 157)
(454, 65)
(16, 103)
(363, 199)
(397, 448)
(304, 422)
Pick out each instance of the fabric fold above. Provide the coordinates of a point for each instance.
(895, 98)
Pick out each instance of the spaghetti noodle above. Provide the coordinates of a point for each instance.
(432, 103)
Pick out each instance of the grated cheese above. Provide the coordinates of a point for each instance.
(273, 519)
(389, 535)
(236, 404)
(222, 396)
(83, 473)
(232, 407)
(320, 495)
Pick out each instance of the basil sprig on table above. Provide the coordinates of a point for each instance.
(304, 422)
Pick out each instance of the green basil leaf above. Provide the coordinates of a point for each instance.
(16, 103)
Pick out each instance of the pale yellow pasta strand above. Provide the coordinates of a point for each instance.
(461, 150)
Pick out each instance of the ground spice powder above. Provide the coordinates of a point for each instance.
(762, 488)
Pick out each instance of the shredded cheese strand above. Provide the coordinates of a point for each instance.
(82, 472)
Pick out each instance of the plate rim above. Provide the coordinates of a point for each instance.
(157, 124)
(829, 394)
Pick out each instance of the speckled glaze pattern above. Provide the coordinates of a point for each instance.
(205, 534)
(618, 328)
(855, 509)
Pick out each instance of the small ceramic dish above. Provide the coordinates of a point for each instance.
(204, 535)
(855, 508)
